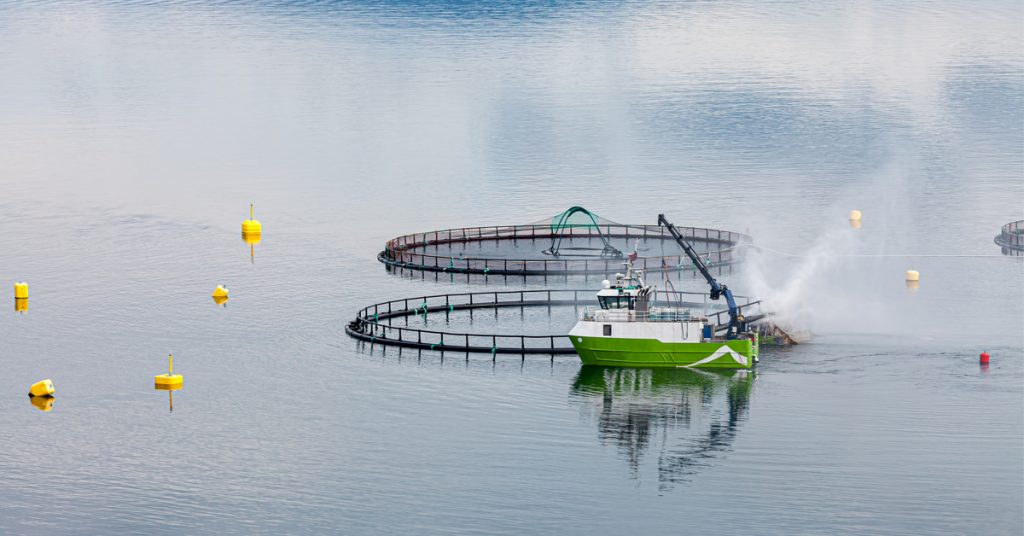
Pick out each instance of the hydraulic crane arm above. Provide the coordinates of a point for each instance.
(736, 321)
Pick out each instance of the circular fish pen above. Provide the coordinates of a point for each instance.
(574, 242)
(376, 323)
(1011, 238)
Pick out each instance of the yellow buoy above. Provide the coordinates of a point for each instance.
(252, 233)
(913, 275)
(251, 239)
(220, 295)
(41, 388)
(169, 381)
(42, 403)
(168, 386)
(220, 292)
(21, 291)
(854, 215)
(251, 226)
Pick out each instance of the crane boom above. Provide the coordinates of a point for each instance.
(737, 323)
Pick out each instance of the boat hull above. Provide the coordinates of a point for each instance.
(625, 352)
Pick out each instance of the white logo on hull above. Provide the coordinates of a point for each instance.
(721, 351)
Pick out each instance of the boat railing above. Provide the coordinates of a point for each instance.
(654, 315)
(673, 306)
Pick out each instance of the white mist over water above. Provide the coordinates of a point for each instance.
(796, 291)
(841, 282)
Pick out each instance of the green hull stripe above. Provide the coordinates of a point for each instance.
(654, 353)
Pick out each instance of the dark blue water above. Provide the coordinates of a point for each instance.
(133, 136)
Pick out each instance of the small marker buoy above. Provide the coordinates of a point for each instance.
(855, 217)
(252, 233)
(913, 275)
(983, 358)
(169, 381)
(21, 297)
(251, 226)
(220, 295)
(41, 388)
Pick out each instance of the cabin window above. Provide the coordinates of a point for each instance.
(607, 330)
(616, 302)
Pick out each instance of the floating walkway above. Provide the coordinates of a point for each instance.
(374, 324)
(412, 251)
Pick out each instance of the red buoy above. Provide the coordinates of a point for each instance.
(983, 358)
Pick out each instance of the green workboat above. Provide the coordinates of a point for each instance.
(630, 330)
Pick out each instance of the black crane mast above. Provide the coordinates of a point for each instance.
(737, 324)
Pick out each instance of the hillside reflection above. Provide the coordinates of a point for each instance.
(686, 418)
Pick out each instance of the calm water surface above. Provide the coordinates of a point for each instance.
(134, 135)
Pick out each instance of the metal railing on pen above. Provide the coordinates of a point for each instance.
(409, 251)
(375, 323)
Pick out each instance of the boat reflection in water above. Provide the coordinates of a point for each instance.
(691, 416)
